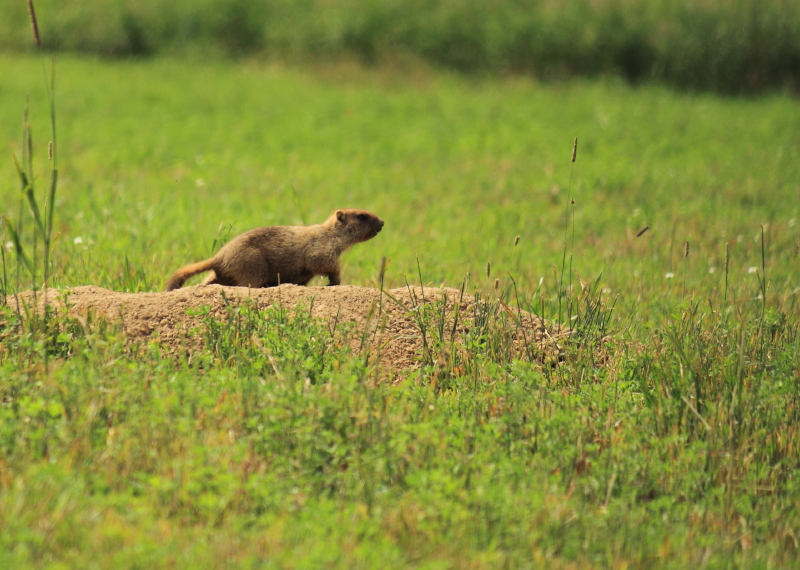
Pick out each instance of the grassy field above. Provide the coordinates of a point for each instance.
(671, 445)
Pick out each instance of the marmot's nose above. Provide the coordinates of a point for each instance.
(380, 225)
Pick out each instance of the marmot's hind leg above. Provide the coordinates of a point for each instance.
(210, 279)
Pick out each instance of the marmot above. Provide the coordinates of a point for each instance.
(266, 257)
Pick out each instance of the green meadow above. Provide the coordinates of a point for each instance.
(667, 437)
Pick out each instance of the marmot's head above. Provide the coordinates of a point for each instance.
(361, 225)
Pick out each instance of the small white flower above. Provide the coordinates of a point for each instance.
(200, 182)
(752, 270)
(606, 290)
(740, 238)
(77, 240)
(669, 275)
(712, 269)
(792, 222)
(636, 212)
(10, 245)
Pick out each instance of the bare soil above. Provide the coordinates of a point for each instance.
(390, 321)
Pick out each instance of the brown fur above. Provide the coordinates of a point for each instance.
(266, 257)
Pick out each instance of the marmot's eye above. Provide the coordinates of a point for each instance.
(362, 217)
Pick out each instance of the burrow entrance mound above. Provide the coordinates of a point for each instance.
(390, 321)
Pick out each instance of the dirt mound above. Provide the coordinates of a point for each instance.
(393, 320)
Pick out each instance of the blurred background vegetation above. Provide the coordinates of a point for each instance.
(727, 46)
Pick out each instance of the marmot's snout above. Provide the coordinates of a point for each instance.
(371, 224)
(378, 226)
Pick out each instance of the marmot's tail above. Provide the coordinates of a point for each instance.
(181, 275)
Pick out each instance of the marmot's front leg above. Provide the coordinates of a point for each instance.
(334, 278)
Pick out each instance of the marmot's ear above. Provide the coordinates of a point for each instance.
(340, 215)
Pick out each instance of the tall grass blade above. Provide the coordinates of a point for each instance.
(50, 206)
(35, 212)
(18, 249)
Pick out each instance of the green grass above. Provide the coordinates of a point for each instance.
(672, 445)
(137, 137)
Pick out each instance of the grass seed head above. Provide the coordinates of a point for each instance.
(516, 241)
(574, 149)
(727, 256)
(686, 249)
(50, 150)
(32, 14)
(488, 269)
